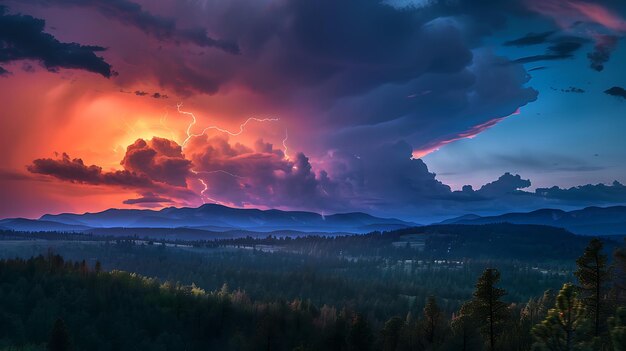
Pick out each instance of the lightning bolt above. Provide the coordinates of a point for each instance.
(242, 126)
(203, 194)
(220, 171)
(285, 144)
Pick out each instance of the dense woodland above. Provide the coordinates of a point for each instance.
(316, 293)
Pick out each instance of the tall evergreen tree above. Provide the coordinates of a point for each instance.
(487, 306)
(593, 276)
(432, 320)
(619, 281)
(563, 324)
(59, 337)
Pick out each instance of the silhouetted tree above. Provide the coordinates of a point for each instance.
(432, 320)
(619, 281)
(593, 276)
(488, 308)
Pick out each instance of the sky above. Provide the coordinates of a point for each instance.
(415, 109)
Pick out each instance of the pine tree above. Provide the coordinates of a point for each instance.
(432, 320)
(593, 276)
(59, 337)
(619, 281)
(561, 328)
(487, 307)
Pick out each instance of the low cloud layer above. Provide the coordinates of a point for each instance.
(385, 181)
(589, 194)
(156, 169)
(74, 170)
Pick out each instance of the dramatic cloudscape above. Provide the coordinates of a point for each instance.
(422, 109)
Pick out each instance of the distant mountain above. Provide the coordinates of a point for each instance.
(587, 221)
(211, 217)
(467, 217)
(33, 225)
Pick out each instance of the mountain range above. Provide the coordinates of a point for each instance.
(586, 221)
(212, 220)
(209, 217)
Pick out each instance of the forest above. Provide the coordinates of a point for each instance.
(428, 289)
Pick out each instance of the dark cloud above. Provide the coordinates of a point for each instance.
(156, 95)
(506, 184)
(22, 37)
(558, 51)
(147, 198)
(564, 48)
(158, 159)
(615, 193)
(75, 171)
(573, 90)
(530, 39)
(458, 106)
(603, 48)
(616, 91)
(155, 168)
(386, 176)
(239, 175)
(352, 75)
(162, 28)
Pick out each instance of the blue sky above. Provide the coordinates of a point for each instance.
(563, 138)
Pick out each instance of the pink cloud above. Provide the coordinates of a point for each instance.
(567, 12)
(469, 134)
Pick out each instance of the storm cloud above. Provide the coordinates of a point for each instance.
(150, 167)
(364, 89)
(76, 171)
(158, 159)
(590, 193)
(22, 37)
(160, 27)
